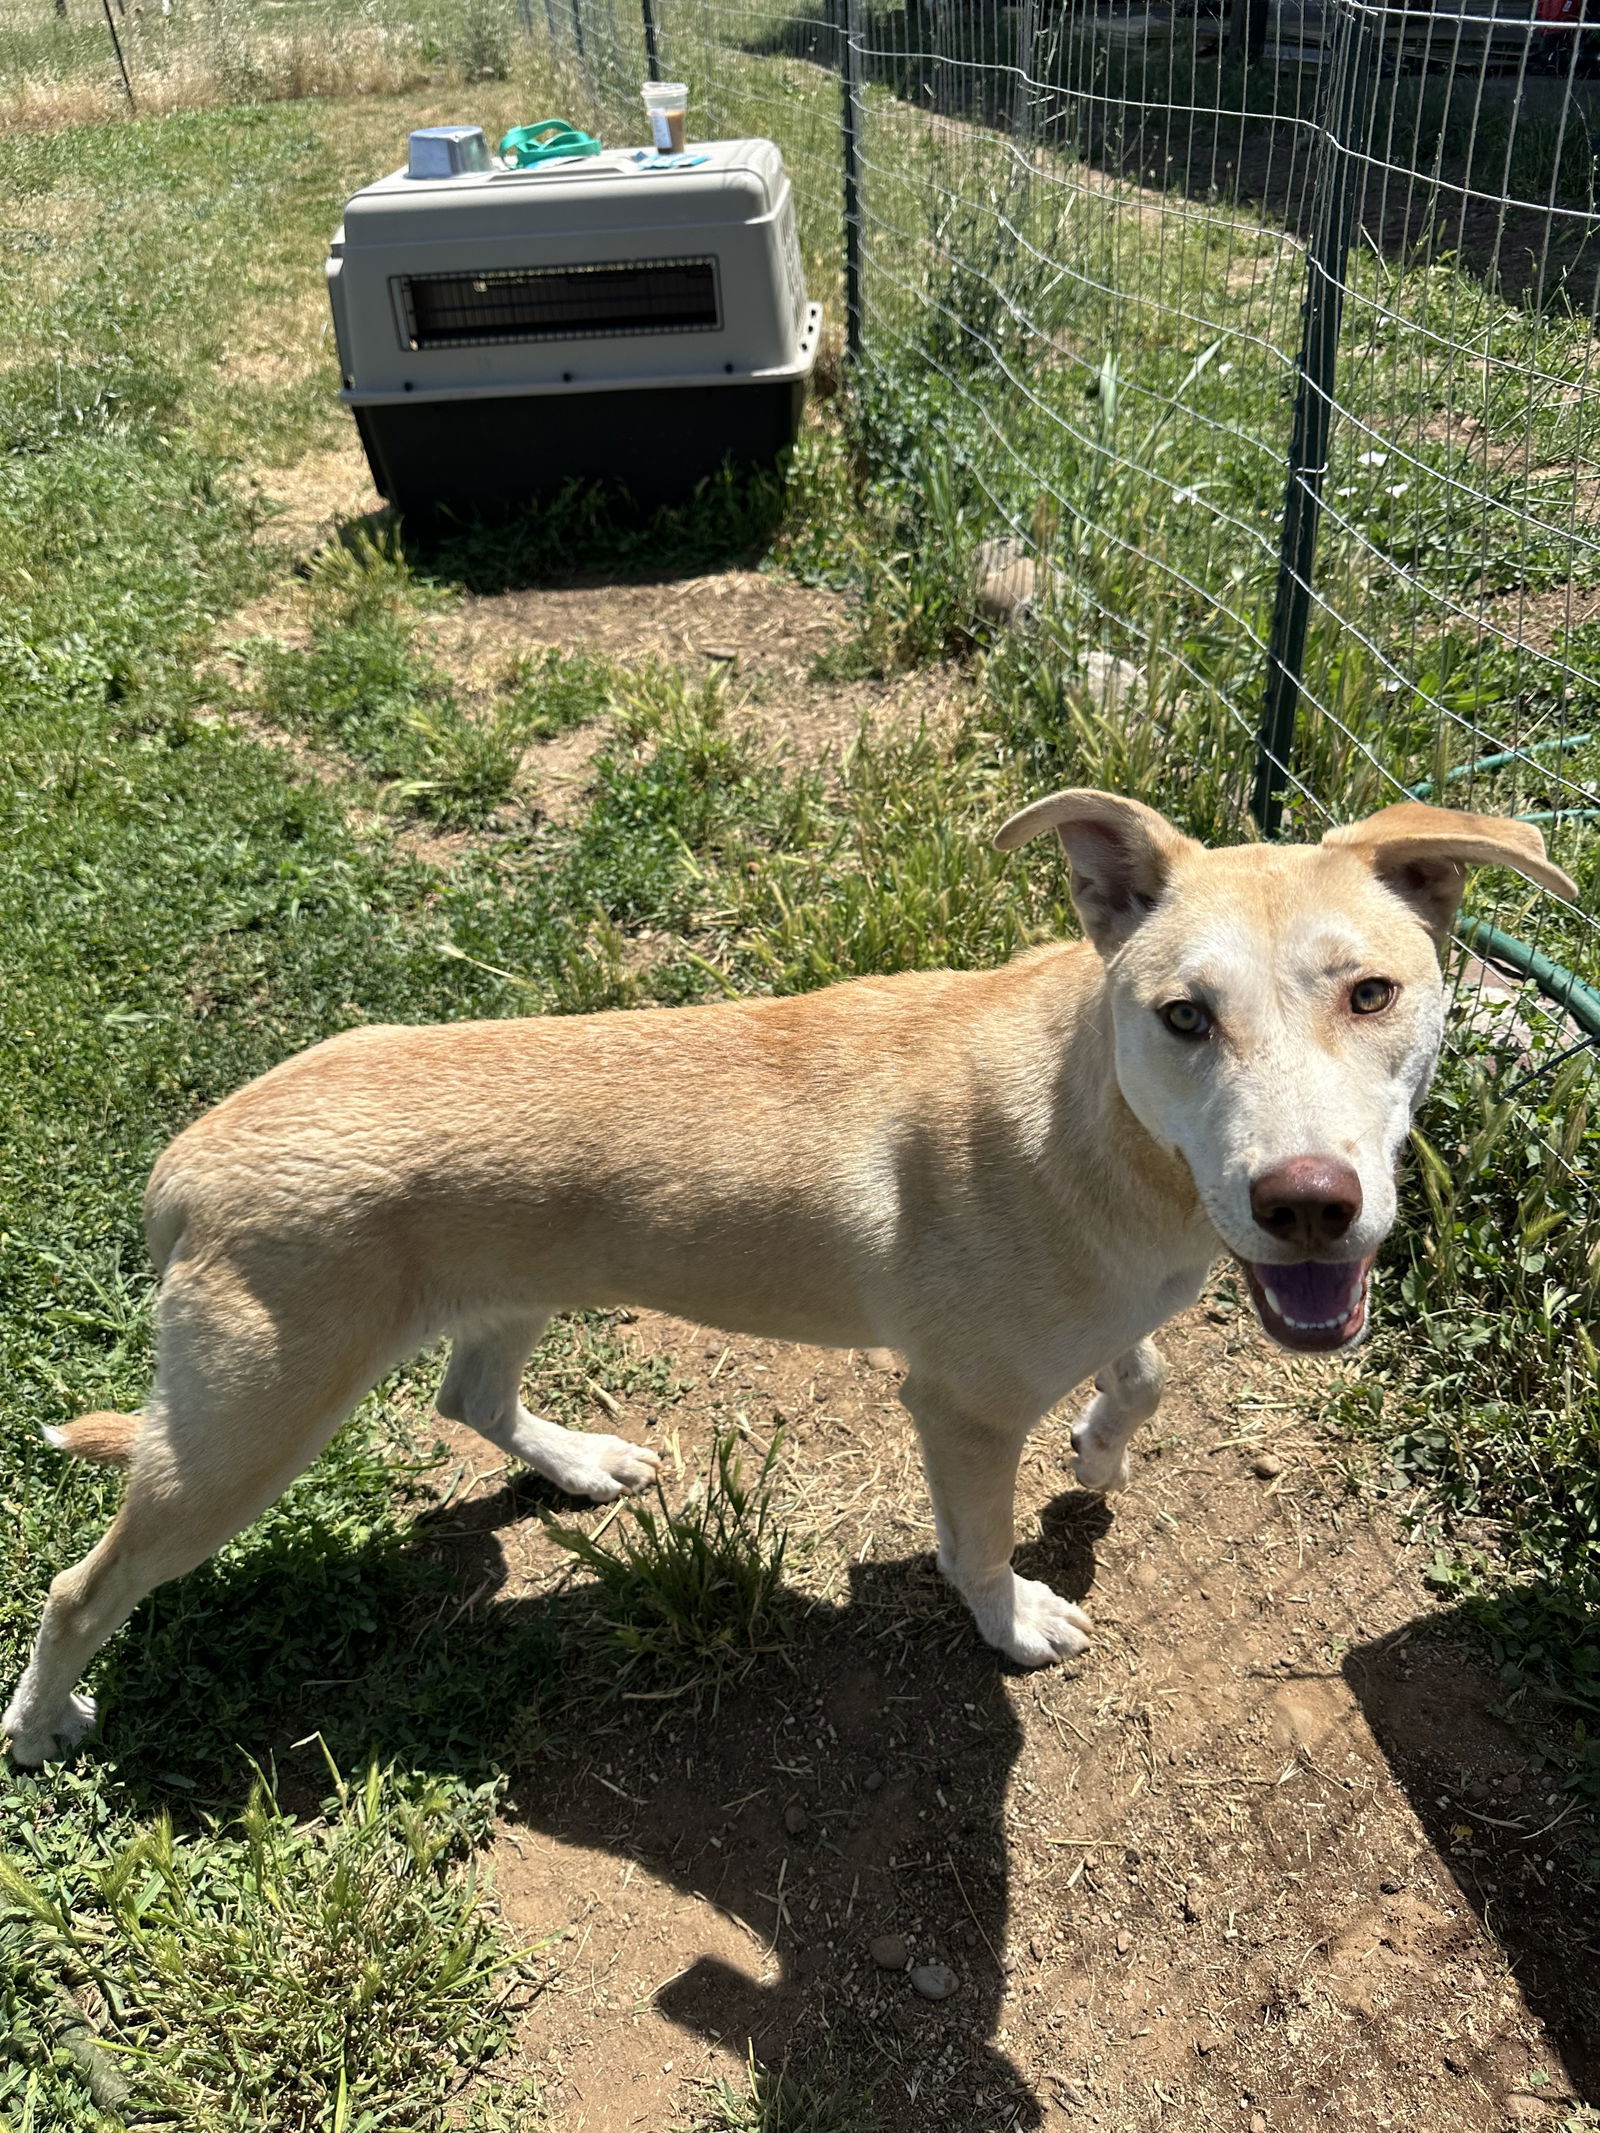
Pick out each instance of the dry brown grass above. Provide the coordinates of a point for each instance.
(213, 60)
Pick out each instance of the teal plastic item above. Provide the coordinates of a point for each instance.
(525, 146)
(1553, 979)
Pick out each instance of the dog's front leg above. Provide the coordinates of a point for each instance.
(1126, 1393)
(971, 1466)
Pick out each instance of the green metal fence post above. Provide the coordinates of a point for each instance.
(1336, 188)
(847, 15)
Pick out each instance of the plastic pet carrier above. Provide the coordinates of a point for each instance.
(614, 316)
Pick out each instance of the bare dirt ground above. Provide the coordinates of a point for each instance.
(1265, 1858)
(764, 634)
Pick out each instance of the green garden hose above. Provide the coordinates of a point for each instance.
(1557, 983)
(1580, 1001)
(1559, 744)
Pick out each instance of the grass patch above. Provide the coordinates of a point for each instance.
(301, 1974)
(785, 2100)
(692, 1596)
(366, 687)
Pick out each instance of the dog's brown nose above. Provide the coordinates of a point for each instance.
(1310, 1200)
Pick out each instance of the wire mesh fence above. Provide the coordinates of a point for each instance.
(1256, 341)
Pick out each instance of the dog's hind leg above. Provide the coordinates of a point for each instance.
(971, 1466)
(236, 1412)
(1126, 1394)
(483, 1388)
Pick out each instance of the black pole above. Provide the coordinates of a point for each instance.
(1334, 205)
(1247, 30)
(577, 27)
(652, 51)
(850, 114)
(122, 64)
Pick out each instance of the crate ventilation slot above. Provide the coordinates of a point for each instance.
(558, 303)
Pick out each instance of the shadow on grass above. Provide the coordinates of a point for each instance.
(595, 531)
(882, 1718)
(1504, 1831)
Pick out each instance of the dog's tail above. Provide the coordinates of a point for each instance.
(106, 1439)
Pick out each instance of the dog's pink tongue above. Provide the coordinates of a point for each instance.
(1313, 1293)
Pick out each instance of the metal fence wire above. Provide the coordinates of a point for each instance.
(1266, 329)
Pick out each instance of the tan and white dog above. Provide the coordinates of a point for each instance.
(1012, 1177)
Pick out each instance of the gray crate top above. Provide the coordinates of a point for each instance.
(712, 181)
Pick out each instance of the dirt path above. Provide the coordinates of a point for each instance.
(1265, 1858)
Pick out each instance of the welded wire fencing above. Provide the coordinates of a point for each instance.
(1260, 338)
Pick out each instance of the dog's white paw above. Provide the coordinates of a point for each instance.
(1030, 1623)
(33, 1742)
(601, 1468)
(1105, 1468)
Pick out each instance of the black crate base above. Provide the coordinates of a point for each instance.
(486, 459)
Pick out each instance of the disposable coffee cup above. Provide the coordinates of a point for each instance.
(666, 102)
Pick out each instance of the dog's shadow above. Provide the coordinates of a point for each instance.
(850, 1787)
(1505, 1832)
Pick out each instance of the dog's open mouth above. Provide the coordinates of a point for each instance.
(1312, 1306)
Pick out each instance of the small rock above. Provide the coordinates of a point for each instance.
(1266, 1468)
(882, 1359)
(889, 1951)
(1220, 1313)
(1072, 2096)
(1124, 1942)
(1456, 2066)
(1109, 680)
(873, 1781)
(728, 652)
(1007, 581)
(795, 1819)
(935, 1981)
(1194, 1908)
(1258, 2122)
(1526, 2109)
(1037, 1949)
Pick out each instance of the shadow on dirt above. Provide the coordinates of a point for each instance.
(1502, 1828)
(853, 1785)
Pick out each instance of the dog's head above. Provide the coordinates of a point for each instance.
(1278, 1011)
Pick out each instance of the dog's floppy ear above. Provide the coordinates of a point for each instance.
(1423, 853)
(1121, 853)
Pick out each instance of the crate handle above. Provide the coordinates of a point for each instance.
(523, 146)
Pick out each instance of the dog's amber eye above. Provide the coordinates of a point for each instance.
(1371, 996)
(1185, 1019)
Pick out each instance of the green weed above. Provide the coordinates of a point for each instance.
(785, 2100)
(366, 687)
(306, 1975)
(689, 1597)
